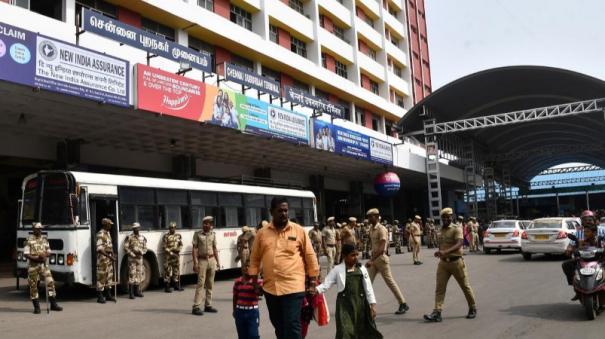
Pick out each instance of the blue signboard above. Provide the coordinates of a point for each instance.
(114, 29)
(36, 60)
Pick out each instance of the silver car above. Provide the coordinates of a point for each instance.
(504, 234)
(548, 236)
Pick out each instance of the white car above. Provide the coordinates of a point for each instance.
(504, 234)
(548, 236)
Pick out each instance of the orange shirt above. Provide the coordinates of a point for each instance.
(286, 256)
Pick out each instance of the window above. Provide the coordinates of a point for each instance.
(347, 109)
(138, 205)
(324, 64)
(231, 210)
(360, 117)
(394, 40)
(243, 62)
(199, 45)
(256, 210)
(374, 87)
(299, 47)
(321, 94)
(375, 123)
(274, 34)
(271, 74)
(241, 17)
(207, 4)
(388, 127)
(397, 70)
(398, 100)
(50, 8)
(173, 207)
(158, 29)
(296, 5)
(99, 6)
(340, 33)
(300, 85)
(372, 54)
(203, 204)
(83, 205)
(341, 69)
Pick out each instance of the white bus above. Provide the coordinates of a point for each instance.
(71, 205)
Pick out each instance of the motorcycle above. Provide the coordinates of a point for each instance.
(588, 282)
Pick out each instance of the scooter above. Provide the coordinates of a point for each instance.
(588, 282)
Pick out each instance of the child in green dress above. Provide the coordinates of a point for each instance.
(356, 303)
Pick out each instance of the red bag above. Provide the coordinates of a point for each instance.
(321, 313)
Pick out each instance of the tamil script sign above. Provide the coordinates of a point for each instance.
(305, 99)
(167, 93)
(31, 59)
(114, 29)
(244, 76)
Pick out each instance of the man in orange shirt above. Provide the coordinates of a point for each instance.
(286, 253)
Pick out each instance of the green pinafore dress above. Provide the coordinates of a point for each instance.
(353, 317)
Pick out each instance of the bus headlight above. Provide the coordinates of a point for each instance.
(61, 259)
(19, 256)
(52, 259)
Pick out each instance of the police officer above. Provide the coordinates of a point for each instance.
(105, 260)
(205, 264)
(379, 261)
(172, 244)
(329, 242)
(451, 263)
(431, 233)
(407, 234)
(316, 241)
(474, 236)
(244, 245)
(415, 237)
(338, 231)
(135, 246)
(37, 251)
(349, 231)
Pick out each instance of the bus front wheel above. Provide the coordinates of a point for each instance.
(147, 275)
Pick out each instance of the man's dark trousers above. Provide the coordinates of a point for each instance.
(284, 312)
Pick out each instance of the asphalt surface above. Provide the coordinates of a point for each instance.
(516, 299)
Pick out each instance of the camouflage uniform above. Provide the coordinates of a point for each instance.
(172, 245)
(135, 247)
(35, 246)
(104, 263)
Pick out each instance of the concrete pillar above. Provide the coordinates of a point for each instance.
(316, 182)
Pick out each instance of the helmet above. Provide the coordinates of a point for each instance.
(588, 213)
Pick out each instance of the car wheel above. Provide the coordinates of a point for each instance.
(526, 256)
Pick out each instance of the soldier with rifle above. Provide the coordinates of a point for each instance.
(105, 262)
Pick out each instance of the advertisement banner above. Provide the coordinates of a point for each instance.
(305, 99)
(352, 143)
(118, 31)
(381, 151)
(35, 60)
(168, 93)
(246, 77)
(323, 136)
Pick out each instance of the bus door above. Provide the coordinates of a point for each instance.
(102, 207)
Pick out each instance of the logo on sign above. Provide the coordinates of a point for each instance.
(20, 53)
(176, 104)
(47, 50)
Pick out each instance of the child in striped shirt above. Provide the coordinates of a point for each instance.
(245, 305)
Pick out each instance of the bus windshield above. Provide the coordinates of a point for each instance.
(47, 199)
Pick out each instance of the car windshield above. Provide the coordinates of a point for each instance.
(503, 224)
(545, 224)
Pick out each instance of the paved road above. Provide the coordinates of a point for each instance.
(516, 299)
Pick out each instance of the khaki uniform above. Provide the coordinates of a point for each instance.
(104, 264)
(172, 245)
(448, 267)
(206, 264)
(35, 246)
(338, 245)
(329, 239)
(474, 229)
(316, 241)
(408, 236)
(415, 238)
(244, 246)
(382, 264)
(348, 236)
(135, 247)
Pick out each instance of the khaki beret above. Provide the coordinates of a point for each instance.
(264, 223)
(208, 218)
(330, 219)
(136, 225)
(37, 225)
(172, 224)
(373, 211)
(418, 217)
(460, 217)
(446, 210)
(338, 225)
(106, 221)
(353, 219)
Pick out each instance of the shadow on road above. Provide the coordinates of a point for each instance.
(558, 311)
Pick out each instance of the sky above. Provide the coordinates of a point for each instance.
(467, 36)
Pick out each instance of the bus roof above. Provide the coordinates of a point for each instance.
(125, 180)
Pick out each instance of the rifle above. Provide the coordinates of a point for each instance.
(46, 286)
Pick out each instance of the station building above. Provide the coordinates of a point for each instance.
(309, 94)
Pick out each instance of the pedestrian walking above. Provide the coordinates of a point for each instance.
(329, 242)
(172, 244)
(285, 252)
(37, 251)
(338, 231)
(408, 235)
(474, 234)
(379, 261)
(245, 304)
(355, 303)
(135, 246)
(415, 235)
(316, 240)
(105, 260)
(205, 264)
(451, 263)
(365, 239)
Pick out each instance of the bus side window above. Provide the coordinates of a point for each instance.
(172, 205)
(83, 205)
(255, 209)
(203, 204)
(309, 214)
(232, 210)
(138, 204)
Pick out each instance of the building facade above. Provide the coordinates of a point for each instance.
(419, 50)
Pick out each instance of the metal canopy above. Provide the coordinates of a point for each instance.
(534, 95)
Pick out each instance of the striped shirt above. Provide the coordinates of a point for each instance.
(244, 292)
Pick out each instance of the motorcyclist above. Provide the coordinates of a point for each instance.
(590, 239)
